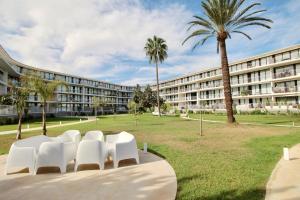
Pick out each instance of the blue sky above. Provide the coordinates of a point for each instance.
(104, 39)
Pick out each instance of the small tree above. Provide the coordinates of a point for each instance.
(20, 95)
(46, 91)
(148, 98)
(98, 103)
(137, 98)
(166, 107)
(132, 106)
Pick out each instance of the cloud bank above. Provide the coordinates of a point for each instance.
(104, 39)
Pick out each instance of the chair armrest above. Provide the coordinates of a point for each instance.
(70, 150)
(22, 154)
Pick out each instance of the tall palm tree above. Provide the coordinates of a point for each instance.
(156, 49)
(221, 19)
(46, 91)
(20, 93)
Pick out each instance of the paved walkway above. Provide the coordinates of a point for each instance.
(244, 123)
(51, 126)
(153, 179)
(284, 183)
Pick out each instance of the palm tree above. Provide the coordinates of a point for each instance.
(46, 91)
(20, 95)
(156, 49)
(221, 19)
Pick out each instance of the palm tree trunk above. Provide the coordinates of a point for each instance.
(157, 87)
(19, 127)
(44, 119)
(226, 82)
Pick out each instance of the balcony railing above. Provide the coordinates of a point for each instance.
(191, 98)
(284, 89)
(284, 74)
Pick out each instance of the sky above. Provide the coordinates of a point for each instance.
(105, 39)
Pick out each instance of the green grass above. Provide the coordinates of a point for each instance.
(38, 123)
(228, 162)
(259, 119)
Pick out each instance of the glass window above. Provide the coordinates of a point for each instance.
(286, 56)
(295, 54)
(278, 57)
(263, 61)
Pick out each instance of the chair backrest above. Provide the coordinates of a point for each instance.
(74, 135)
(34, 141)
(94, 135)
(125, 137)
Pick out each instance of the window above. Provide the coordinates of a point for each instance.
(278, 58)
(263, 61)
(286, 56)
(295, 54)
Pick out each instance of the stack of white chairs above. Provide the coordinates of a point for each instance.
(91, 150)
(59, 152)
(43, 151)
(122, 146)
(23, 153)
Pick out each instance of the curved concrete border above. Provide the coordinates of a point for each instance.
(284, 182)
(153, 179)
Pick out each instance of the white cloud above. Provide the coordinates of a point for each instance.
(92, 38)
(72, 36)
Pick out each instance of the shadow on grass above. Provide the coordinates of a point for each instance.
(279, 122)
(156, 153)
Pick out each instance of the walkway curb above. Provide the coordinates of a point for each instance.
(40, 128)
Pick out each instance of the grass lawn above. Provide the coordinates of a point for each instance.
(38, 123)
(228, 162)
(259, 119)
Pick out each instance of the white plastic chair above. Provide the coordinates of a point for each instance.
(51, 154)
(122, 146)
(71, 145)
(23, 153)
(94, 135)
(91, 152)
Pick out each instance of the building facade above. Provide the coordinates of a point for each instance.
(76, 98)
(269, 79)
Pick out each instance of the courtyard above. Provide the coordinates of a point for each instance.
(228, 162)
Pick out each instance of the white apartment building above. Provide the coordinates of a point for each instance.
(267, 79)
(74, 99)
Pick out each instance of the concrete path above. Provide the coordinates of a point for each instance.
(284, 183)
(51, 126)
(153, 179)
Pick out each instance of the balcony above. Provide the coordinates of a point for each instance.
(284, 74)
(191, 98)
(245, 93)
(284, 89)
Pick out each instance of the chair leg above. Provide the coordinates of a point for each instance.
(63, 169)
(116, 164)
(6, 170)
(75, 167)
(35, 171)
(32, 171)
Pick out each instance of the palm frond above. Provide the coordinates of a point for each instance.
(245, 34)
(200, 32)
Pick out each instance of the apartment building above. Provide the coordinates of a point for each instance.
(268, 79)
(76, 98)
